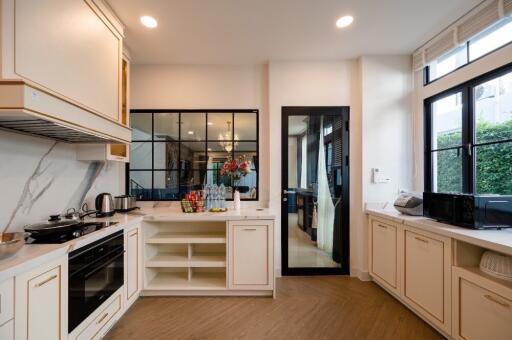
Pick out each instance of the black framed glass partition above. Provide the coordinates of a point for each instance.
(176, 151)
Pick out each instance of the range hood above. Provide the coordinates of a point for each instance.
(28, 110)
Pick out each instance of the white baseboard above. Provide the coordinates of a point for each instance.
(361, 275)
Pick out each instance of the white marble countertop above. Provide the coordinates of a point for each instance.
(31, 255)
(497, 240)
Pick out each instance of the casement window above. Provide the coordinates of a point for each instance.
(176, 151)
(468, 136)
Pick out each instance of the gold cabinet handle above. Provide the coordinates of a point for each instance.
(250, 229)
(495, 300)
(382, 226)
(102, 318)
(53, 277)
(421, 239)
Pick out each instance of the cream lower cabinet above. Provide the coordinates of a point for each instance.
(251, 255)
(41, 298)
(415, 266)
(133, 265)
(384, 254)
(482, 307)
(427, 276)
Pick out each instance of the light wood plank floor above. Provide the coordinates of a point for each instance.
(305, 308)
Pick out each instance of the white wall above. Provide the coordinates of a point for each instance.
(207, 87)
(386, 90)
(387, 124)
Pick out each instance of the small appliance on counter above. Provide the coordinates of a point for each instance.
(409, 204)
(104, 205)
(469, 211)
(125, 203)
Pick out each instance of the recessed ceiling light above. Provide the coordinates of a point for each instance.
(148, 21)
(191, 133)
(344, 21)
(210, 123)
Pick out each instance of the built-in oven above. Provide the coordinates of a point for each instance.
(96, 271)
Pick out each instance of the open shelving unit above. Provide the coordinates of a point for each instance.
(185, 256)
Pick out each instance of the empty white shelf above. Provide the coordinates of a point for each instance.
(182, 261)
(194, 238)
(179, 281)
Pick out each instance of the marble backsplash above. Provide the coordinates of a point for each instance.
(39, 177)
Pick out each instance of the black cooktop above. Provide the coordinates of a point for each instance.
(79, 230)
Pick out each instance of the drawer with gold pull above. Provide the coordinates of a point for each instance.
(104, 315)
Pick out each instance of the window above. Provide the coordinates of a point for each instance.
(492, 38)
(176, 151)
(448, 63)
(469, 137)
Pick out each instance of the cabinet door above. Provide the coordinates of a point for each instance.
(251, 255)
(6, 300)
(7, 331)
(384, 258)
(427, 278)
(482, 306)
(133, 279)
(483, 314)
(70, 50)
(41, 300)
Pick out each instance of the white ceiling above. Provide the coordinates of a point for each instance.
(256, 31)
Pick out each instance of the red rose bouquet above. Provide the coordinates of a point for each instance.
(236, 169)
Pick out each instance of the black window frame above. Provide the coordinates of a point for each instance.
(179, 141)
(469, 144)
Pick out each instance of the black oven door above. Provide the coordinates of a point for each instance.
(90, 286)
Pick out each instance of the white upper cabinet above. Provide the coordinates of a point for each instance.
(65, 47)
(62, 62)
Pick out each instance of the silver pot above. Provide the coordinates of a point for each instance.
(10, 243)
(125, 203)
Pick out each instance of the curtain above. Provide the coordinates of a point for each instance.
(208, 179)
(304, 163)
(326, 210)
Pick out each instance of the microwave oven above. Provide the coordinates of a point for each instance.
(469, 211)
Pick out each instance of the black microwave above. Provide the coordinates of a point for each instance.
(469, 211)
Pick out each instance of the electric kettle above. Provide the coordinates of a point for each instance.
(105, 205)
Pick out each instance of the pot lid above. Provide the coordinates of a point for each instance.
(49, 225)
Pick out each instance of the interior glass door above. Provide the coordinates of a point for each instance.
(315, 191)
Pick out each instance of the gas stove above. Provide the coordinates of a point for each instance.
(78, 230)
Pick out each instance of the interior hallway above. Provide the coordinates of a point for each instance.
(302, 252)
(326, 307)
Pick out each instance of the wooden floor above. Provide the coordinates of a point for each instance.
(305, 308)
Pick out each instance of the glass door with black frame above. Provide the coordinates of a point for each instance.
(315, 191)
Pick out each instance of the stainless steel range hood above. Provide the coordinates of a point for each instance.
(28, 110)
(47, 129)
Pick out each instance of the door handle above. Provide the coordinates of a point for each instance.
(286, 192)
